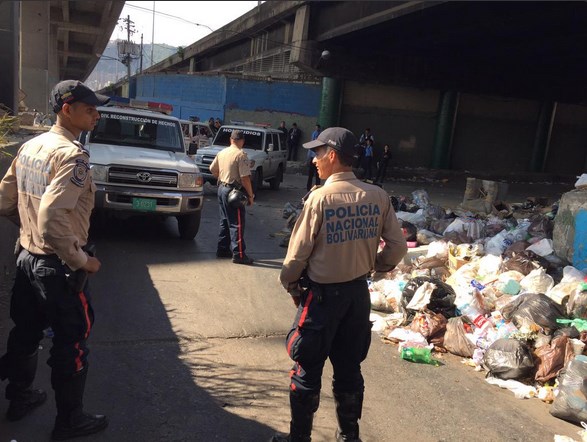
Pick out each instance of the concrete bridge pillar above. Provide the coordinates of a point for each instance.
(36, 54)
(9, 36)
(542, 137)
(445, 127)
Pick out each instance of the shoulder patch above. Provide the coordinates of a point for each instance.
(80, 173)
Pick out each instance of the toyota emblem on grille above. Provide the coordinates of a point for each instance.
(144, 177)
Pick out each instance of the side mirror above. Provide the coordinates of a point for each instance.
(192, 149)
(270, 148)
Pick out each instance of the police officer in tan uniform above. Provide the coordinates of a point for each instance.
(333, 248)
(49, 192)
(231, 169)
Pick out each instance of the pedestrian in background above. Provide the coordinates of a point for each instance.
(49, 191)
(293, 142)
(231, 168)
(383, 163)
(283, 129)
(367, 163)
(316, 132)
(366, 135)
(325, 271)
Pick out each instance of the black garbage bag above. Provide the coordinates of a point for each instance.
(540, 227)
(533, 308)
(441, 301)
(570, 404)
(509, 359)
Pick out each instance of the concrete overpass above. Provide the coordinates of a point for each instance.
(450, 84)
(48, 41)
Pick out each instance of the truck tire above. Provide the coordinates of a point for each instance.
(276, 181)
(257, 180)
(188, 225)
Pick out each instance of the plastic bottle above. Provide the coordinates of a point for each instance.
(476, 317)
(417, 355)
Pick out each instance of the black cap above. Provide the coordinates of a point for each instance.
(72, 91)
(237, 135)
(338, 138)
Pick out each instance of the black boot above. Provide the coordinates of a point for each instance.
(348, 413)
(20, 371)
(71, 421)
(303, 407)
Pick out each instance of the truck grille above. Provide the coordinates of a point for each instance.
(205, 164)
(142, 177)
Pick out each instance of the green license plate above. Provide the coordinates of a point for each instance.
(144, 204)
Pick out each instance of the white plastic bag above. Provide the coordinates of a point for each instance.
(421, 296)
(537, 281)
(542, 247)
(438, 249)
(418, 219)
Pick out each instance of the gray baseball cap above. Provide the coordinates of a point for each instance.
(338, 138)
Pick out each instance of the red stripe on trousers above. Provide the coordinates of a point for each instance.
(240, 234)
(300, 322)
(84, 302)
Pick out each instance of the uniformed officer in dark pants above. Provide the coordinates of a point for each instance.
(232, 170)
(49, 192)
(333, 248)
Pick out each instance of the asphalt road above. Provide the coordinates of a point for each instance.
(187, 347)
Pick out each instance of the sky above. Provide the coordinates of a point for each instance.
(176, 31)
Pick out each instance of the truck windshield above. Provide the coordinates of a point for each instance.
(135, 130)
(253, 138)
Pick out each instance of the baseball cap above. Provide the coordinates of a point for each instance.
(72, 91)
(237, 135)
(338, 138)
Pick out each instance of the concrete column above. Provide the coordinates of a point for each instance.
(330, 102)
(34, 54)
(9, 57)
(300, 55)
(192, 64)
(445, 127)
(542, 137)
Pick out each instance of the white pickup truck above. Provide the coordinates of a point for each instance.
(140, 166)
(264, 146)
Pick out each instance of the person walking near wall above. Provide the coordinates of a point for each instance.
(368, 159)
(293, 142)
(283, 129)
(325, 272)
(48, 190)
(383, 163)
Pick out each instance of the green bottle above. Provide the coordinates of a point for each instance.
(423, 355)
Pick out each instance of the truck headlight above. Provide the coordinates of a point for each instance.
(190, 180)
(251, 163)
(99, 172)
(199, 158)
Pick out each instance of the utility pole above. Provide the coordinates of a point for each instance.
(141, 63)
(128, 48)
(153, 36)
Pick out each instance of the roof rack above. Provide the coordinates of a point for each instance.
(138, 104)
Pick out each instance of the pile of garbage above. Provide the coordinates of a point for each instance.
(489, 288)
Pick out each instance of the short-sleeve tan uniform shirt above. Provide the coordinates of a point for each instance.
(338, 232)
(49, 186)
(230, 165)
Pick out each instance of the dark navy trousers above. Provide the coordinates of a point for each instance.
(232, 224)
(332, 322)
(41, 298)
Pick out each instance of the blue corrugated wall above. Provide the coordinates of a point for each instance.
(210, 96)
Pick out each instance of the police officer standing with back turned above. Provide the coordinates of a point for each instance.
(231, 169)
(333, 248)
(48, 190)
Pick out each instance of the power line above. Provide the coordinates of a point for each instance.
(150, 11)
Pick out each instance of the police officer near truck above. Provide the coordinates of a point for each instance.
(332, 250)
(231, 168)
(49, 192)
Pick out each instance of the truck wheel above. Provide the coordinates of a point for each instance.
(275, 182)
(257, 180)
(189, 225)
